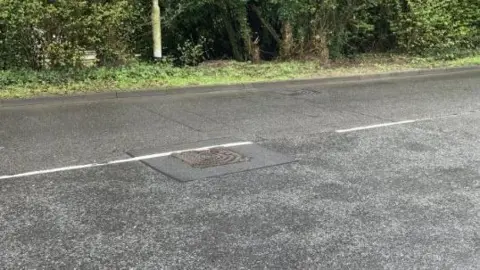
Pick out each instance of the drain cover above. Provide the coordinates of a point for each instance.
(302, 92)
(218, 161)
(211, 158)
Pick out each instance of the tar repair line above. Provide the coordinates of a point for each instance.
(120, 161)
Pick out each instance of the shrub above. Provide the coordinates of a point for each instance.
(439, 28)
(190, 53)
(35, 34)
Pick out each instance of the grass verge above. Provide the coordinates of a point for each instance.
(27, 83)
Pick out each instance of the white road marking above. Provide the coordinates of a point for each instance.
(377, 126)
(119, 161)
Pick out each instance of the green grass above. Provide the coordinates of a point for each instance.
(27, 83)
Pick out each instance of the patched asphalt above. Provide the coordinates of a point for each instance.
(397, 197)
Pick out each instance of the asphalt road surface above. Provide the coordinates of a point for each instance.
(386, 176)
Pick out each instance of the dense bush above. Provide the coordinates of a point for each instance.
(36, 34)
(439, 28)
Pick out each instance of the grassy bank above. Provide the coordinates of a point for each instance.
(27, 83)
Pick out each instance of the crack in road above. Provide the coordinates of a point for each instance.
(333, 109)
(169, 118)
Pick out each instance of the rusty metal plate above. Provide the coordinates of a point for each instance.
(211, 158)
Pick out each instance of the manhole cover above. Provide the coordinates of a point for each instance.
(199, 164)
(211, 158)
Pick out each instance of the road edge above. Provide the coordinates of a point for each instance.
(261, 86)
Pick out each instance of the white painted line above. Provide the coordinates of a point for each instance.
(376, 126)
(119, 161)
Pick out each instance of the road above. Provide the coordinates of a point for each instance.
(386, 174)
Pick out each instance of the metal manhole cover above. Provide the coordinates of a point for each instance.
(194, 165)
(211, 158)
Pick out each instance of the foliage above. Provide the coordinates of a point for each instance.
(439, 28)
(38, 35)
(27, 83)
(191, 54)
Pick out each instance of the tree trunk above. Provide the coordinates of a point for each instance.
(256, 51)
(321, 49)
(251, 50)
(287, 42)
(246, 34)
(269, 27)
(156, 30)
(232, 35)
